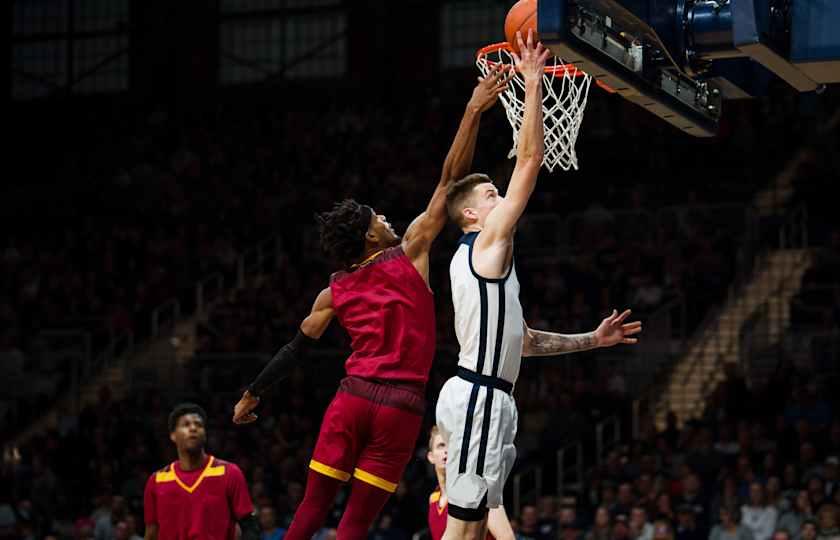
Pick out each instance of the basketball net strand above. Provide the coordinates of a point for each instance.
(564, 100)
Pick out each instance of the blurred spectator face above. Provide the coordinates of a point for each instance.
(644, 485)
(827, 517)
(790, 476)
(267, 519)
(131, 524)
(770, 463)
(726, 517)
(546, 507)
(620, 530)
(295, 492)
(781, 535)
(663, 503)
(685, 519)
(602, 518)
(529, 517)
(638, 517)
(662, 531)
(756, 494)
(830, 469)
(121, 531)
(773, 488)
(744, 466)
(608, 495)
(807, 453)
(437, 453)
(567, 518)
(803, 503)
(808, 531)
(625, 494)
(692, 484)
(815, 489)
(331, 534)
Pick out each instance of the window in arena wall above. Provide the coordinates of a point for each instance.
(468, 25)
(69, 46)
(261, 39)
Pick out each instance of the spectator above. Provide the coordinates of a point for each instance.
(528, 524)
(816, 492)
(568, 524)
(664, 508)
(809, 530)
(268, 525)
(621, 529)
(758, 516)
(781, 534)
(687, 528)
(640, 527)
(730, 527)
(830, 474)
(774, 495)
(827, 519)
(801, 511)
(662, 530)
(601, 527)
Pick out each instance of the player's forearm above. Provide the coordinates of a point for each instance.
(530, 147)
(537, 343)
(460, 157)
(281, 364)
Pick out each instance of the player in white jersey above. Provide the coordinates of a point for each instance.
(476, 412)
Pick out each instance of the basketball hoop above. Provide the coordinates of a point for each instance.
(565, 91)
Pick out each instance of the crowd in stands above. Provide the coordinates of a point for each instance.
(164, 201)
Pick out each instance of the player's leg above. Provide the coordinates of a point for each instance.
(394, 429)
(458, 529)
(331, 465)
(498, 524)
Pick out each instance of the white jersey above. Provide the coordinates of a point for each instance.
(488, 316)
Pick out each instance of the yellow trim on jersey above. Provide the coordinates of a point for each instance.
(374, 480)
(170, 476)
(434, 497)
(326, 470)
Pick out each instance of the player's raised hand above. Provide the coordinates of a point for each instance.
(531, 58)
(242, 411)
(488, 89)
(613, 330)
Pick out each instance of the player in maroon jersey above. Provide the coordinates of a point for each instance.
(199, 495)
(381, 296)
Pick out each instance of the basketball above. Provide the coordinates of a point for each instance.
(521, 17)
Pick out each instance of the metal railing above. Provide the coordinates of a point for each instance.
(165, 316)
(533, 473)
(565, 469)
(606, 427)
(207, 291)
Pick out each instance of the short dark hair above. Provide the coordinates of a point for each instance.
(343, 230)
(182, 410)
(458, 193)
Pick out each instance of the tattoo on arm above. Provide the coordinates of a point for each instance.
(549, 343)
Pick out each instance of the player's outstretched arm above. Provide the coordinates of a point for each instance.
(425, 228)
(281, 365)
(502, 219)
(612, 331)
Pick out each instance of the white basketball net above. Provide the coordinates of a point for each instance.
(564, 99)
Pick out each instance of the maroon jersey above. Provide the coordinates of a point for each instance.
(202, 504)
(437, 517)
(388, 310)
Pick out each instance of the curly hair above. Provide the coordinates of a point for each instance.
(343, 231)
(184, 409)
